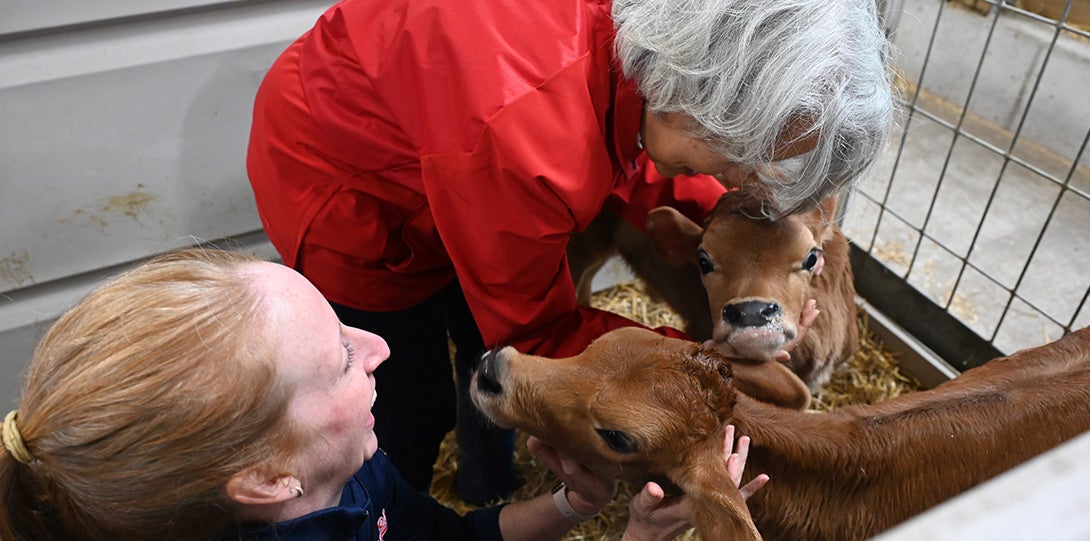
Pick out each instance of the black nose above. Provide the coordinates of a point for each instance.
(487, 378)
(750, 313)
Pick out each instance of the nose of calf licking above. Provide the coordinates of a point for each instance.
(486, 380)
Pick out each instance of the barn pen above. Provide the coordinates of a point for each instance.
(969, 236)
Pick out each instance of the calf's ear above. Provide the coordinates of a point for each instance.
(719, 511)
(771, 382)
(674, 237)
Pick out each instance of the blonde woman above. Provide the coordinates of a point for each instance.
(208, 395)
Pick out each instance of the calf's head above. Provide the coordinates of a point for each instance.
(758, 272)
(630, 406)
(634, 405)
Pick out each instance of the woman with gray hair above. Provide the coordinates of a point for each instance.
(424, 163)
(751, 78)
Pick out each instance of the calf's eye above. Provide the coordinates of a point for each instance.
(811, 259)
(618, 441)
(705, 261)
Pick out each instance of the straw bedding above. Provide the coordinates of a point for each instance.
(869, 376)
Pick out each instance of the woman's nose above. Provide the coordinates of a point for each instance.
(373, 348)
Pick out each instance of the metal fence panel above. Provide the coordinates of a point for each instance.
(981, 203)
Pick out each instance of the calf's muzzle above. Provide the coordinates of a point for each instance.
(488, 375)
(751, 313)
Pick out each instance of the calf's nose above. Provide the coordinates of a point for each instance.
(751, 313)
(487, 375)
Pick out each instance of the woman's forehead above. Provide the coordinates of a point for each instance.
(299, 317)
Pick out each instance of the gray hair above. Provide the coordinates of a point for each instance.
(746, 71)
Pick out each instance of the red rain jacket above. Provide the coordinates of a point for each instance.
(400, 144)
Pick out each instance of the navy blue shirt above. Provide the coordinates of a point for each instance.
(377, 504)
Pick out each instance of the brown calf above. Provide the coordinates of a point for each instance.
(677, 282)
(759, 273)
(637, 405)
(754, 274)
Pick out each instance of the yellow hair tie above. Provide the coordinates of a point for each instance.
(13, 440)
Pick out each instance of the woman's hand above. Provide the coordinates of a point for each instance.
(736, 463)
(587, 493)
(654, 517)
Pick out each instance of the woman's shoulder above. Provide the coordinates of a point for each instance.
(462, 46)
(438, 70)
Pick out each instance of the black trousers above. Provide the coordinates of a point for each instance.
(419, 401)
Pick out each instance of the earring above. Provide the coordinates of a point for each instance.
(297, 490)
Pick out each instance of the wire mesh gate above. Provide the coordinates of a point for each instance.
(973, 230)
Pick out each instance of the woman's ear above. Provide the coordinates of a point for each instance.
(256, 486)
